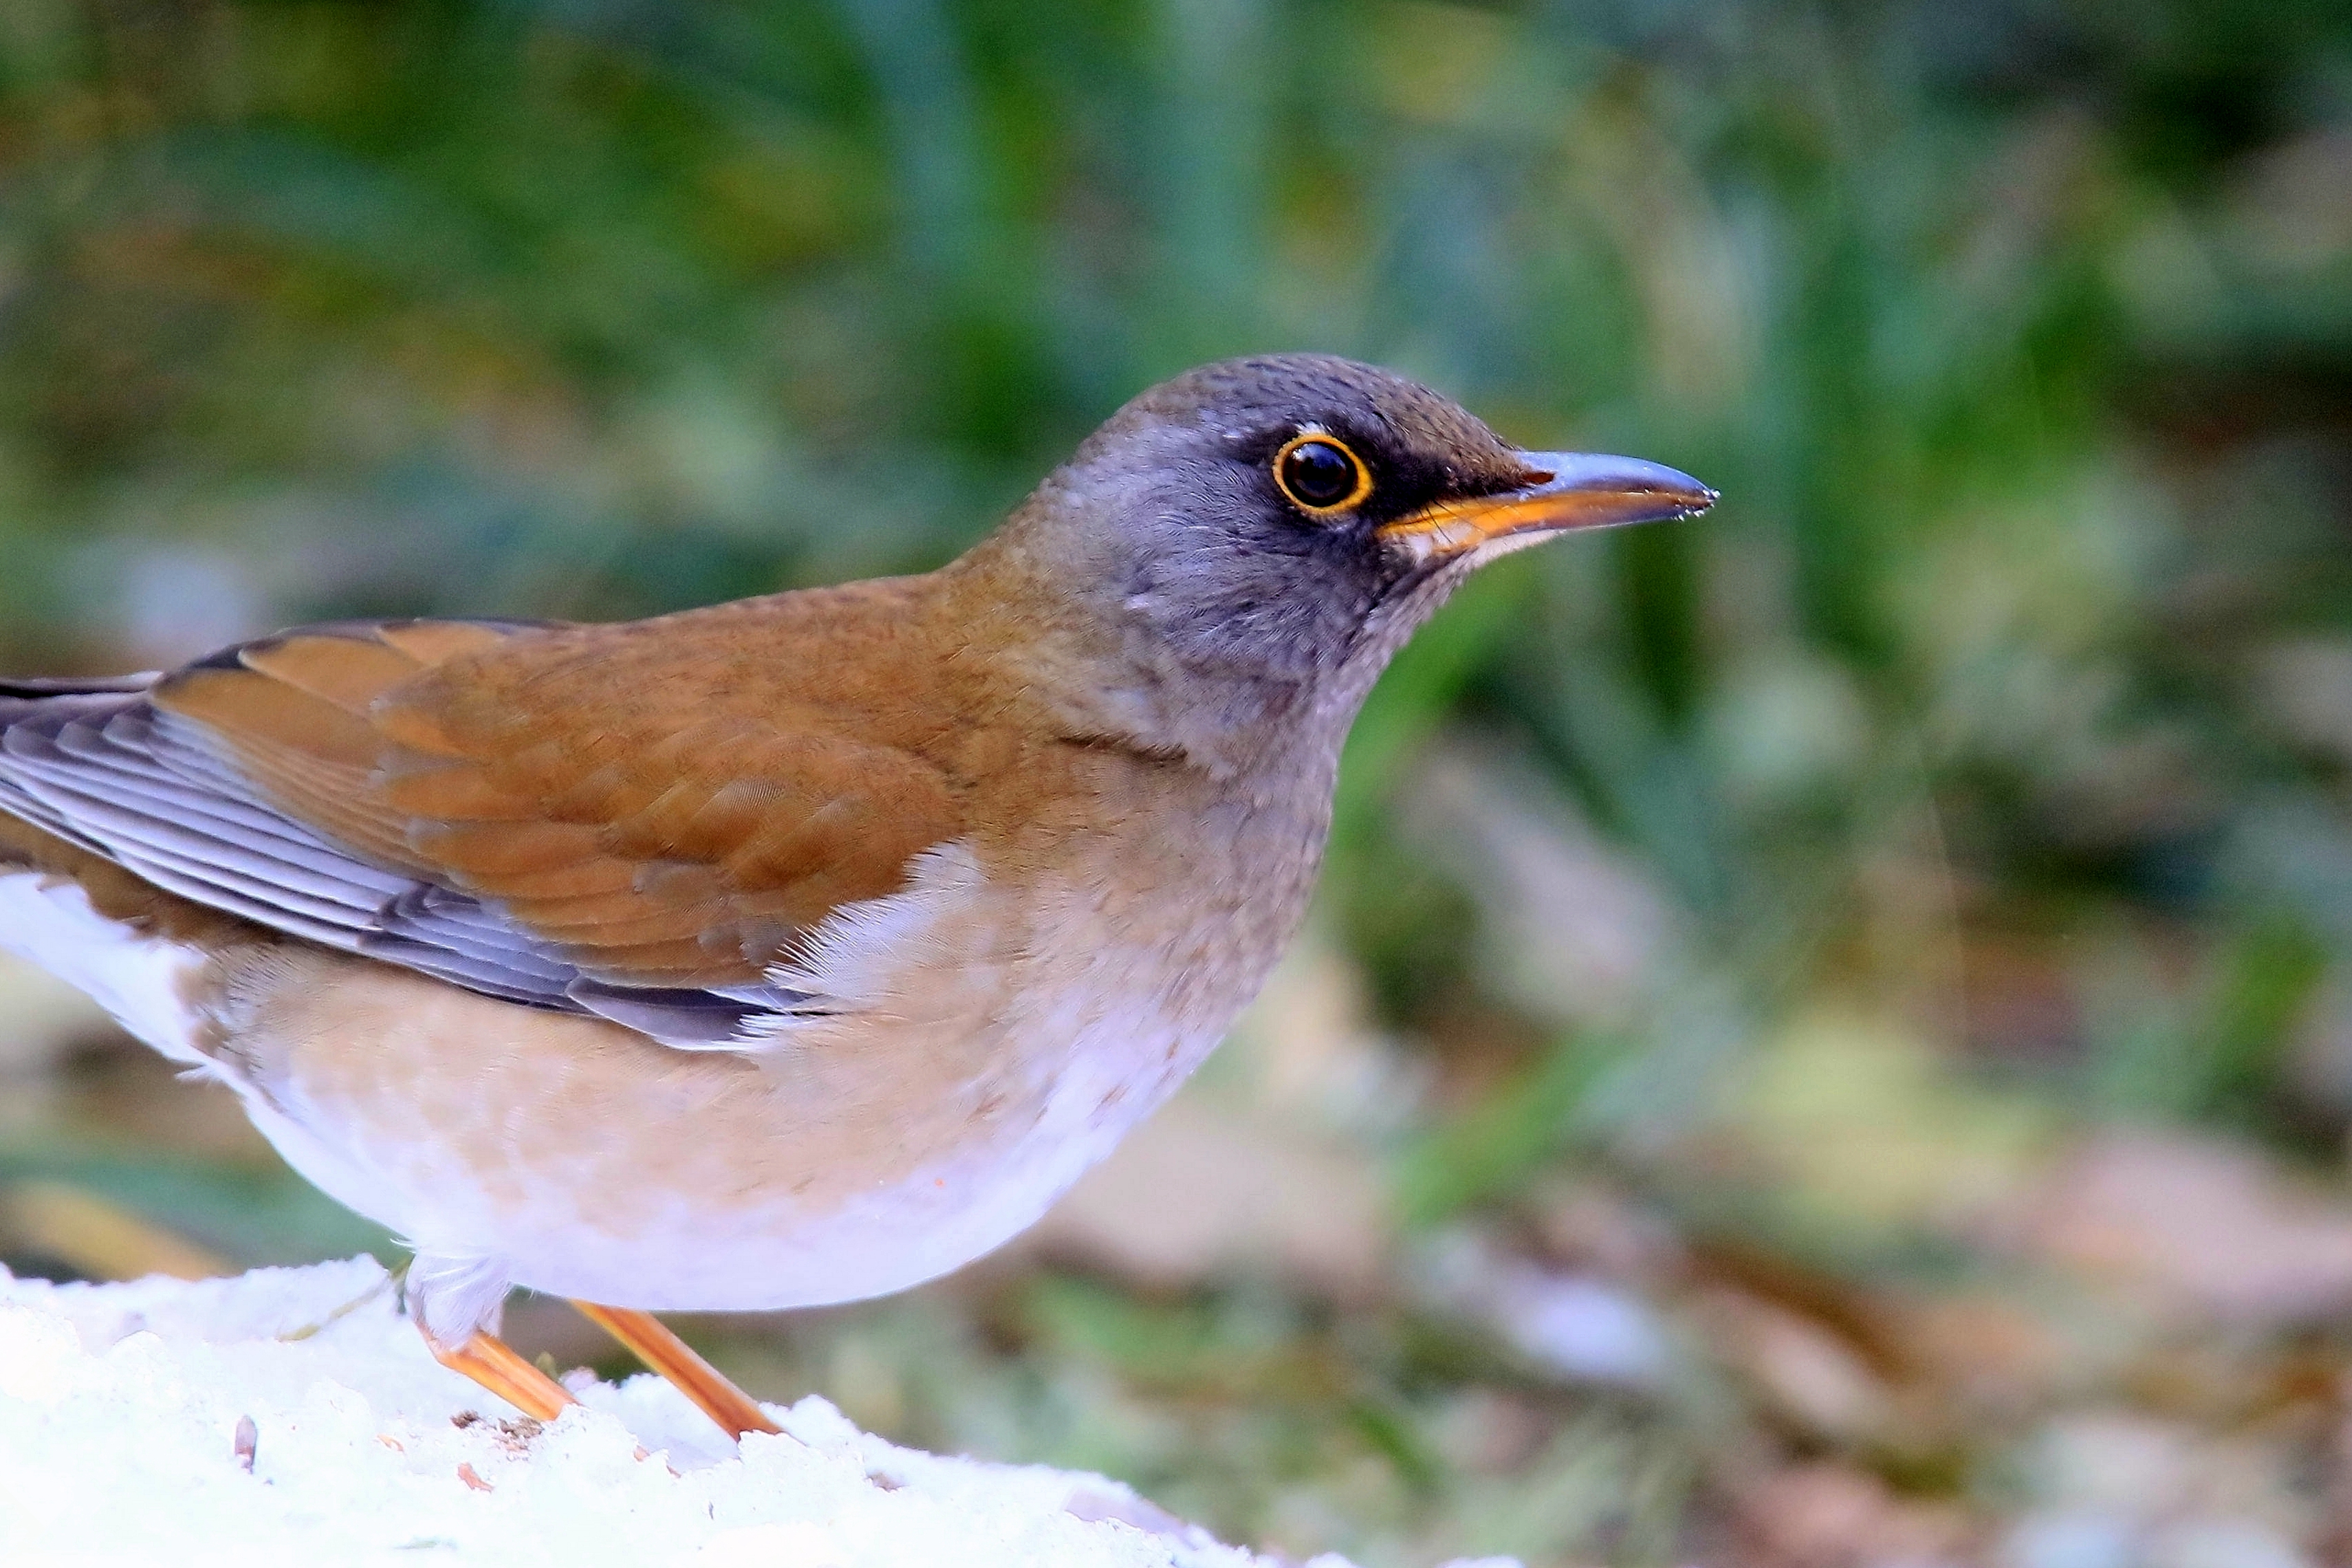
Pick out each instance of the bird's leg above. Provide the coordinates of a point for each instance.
(675, 1360)
(496, 1365)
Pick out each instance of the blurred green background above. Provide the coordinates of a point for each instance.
(1827, 1038)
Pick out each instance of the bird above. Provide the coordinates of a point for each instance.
(785, 952)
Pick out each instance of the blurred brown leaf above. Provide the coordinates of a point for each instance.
(2197, 1226)
(100, 1239)
(1200, 1192)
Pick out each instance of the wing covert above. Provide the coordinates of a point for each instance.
(581, 817)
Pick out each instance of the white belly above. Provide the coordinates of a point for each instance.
(778, 1252)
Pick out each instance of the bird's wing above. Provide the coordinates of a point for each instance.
(573, 817)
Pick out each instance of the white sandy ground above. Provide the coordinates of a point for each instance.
(120, 1406)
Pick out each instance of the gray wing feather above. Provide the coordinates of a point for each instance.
(94, 763)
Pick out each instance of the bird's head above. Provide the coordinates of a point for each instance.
(1257, 537)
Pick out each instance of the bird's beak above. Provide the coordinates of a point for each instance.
(1563, 490)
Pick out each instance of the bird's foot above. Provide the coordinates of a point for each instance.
(674, 1359)
(498, 1367)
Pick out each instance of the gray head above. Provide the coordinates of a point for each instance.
(1261, 534)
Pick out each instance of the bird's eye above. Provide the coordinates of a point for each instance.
(1318, 473)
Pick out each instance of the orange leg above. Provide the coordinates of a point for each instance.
(675, 1360)
(490, 1362)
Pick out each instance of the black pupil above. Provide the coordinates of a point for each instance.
(1320, 473)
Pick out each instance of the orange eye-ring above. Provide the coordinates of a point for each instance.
(1319, 474)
